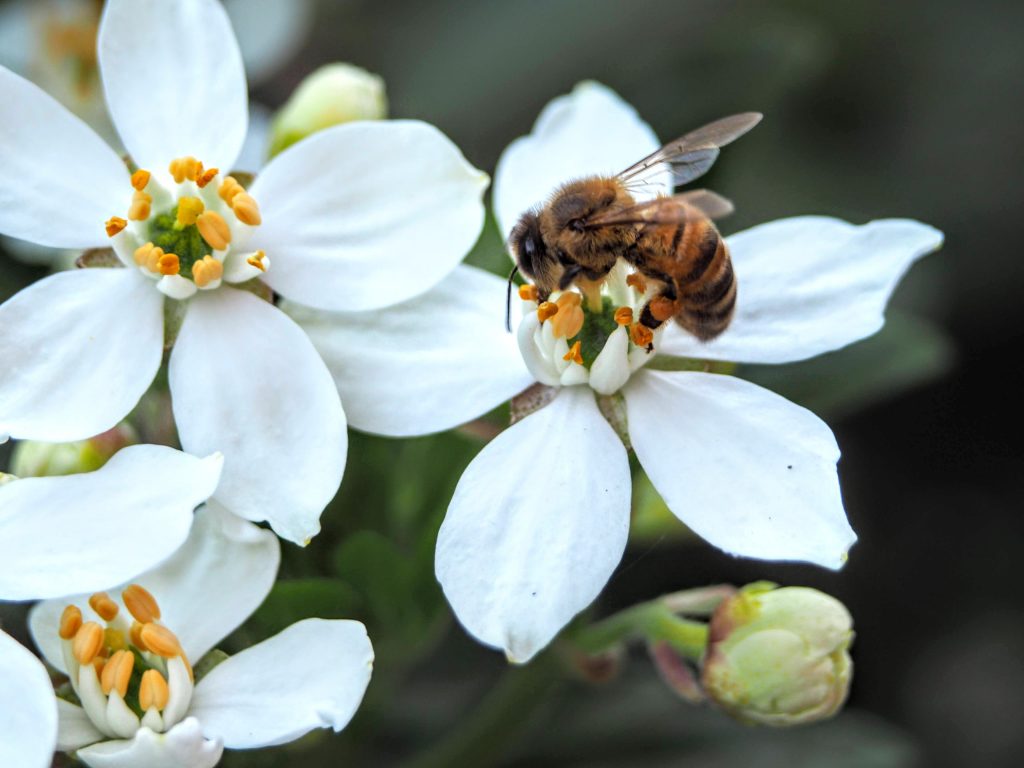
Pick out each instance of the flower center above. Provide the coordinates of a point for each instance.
(190, 237)
(591, 336)
(127, 674)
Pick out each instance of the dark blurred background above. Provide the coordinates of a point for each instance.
(873, 109)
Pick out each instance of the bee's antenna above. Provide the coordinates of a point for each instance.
(508, 299)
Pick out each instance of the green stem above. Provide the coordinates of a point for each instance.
(480, 740)
(652, 621)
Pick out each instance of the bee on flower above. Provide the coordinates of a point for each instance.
(540, 518)
(201, 250)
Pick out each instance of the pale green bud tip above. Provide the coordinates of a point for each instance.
(779, 656)
(35, 459)
(334, 94)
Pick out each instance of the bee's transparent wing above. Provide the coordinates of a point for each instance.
(687, 206)
(690, 156)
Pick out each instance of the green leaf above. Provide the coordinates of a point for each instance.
(295, 599)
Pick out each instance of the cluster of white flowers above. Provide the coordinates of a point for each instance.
(317, 284)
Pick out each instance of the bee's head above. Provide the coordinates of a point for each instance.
(532, 255)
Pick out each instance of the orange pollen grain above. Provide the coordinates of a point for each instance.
(642, 335)
(636, 280)
(140, 179)
(140, 604)
(574, 354)
(118, 673)
(206, 177)
(104, 606)
(256, 260)
(624, 315)
(70, 622)
(214, 230)
(161, 641)
(87, 643)
(206, 270)
(528, 292)
(246, 209)
(229, 188)
(547, 310)
(141, 206)
(114, 225)
(185, 168)
(153, 691)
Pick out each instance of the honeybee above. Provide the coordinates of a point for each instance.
(587, 225)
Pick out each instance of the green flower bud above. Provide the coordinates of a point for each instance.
(334, 94)
(35, 459)
(779, 656)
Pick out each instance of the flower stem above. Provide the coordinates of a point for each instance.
(653, 621)
(480, 740)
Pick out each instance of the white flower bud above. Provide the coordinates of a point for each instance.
(36, 459)
(779, 656)
(334, 94)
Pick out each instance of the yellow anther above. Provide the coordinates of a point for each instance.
(246, 209)
(206, 177)
(189, 209)
(168, 264)
(135, 635)
(256, 260)
(574, 354)
(140, 604)
(569, 320)
(569, 299)
(114, 225)
(140, 179)
(642, 335)
(206, 270)
(114, 639)
(161, 641)
(117, 673)
(185, 168)
(528, 292)
(547, 310)
(88, 642)
(141, 206)
(70, 622)
(214, 229)
(624, 315)
(229, 188)
(636, 280)
(153, 691)
(104, 606)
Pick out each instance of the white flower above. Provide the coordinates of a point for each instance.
(28, 728)
(540, 518)
(359, 216)
(311, 675)
(62, 535)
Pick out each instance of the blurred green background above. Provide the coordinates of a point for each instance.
(873, 109)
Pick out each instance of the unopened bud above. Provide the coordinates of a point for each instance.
(35, 459)
(779, 656)
(334, 94)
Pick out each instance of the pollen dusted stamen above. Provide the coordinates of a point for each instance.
(229, 188)
(104, 606)
(569, 319)
(574, 354)
(153, 691)
(207, 270)
(88, 642)
(189, 209)
(547, 310)
(141, 207)
(135, 635)
(114, 225)
(256, 260)
(168, 264)
(246, 209)
(624, 315)
(214, 229)
(140, 179)
(70, 622)
(528, 292)
(206, 177)
(185, 168)
(636, 281)
(117, 673)
(140, 604)
(642, 335)
(161, 641)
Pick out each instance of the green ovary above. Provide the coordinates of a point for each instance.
(185, 242)
(597, 327)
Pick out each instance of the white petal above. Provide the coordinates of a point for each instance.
(257, 138)
(79, 348)
(28, 725)
(427, 364)
(174, 81)
(141, 501)
(367, 214)
(246, 381)
(181, 747)
(808, 285)
(589, 131)
(74, 728)
(60, 181)
(311, 675)
(538, 523)
(269, 33)
(747, 470)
